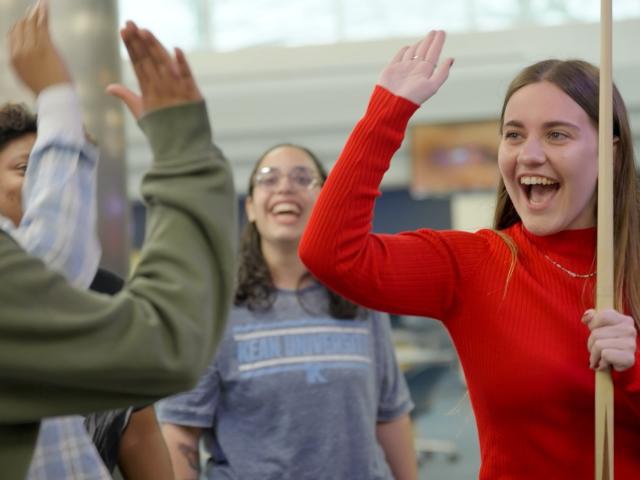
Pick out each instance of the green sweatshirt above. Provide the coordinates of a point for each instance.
(65, 351)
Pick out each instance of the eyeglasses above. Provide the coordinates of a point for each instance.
(300, 178)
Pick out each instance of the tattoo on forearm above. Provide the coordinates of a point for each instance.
(191, 455)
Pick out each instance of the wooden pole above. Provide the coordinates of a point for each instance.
(605, 297)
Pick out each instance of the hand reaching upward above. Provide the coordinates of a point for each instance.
(164, 81)
(415, 72)
(34, 57)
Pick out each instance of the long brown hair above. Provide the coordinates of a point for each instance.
(255, 288)
(580, 81)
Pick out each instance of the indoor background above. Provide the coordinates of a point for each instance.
(301, 71)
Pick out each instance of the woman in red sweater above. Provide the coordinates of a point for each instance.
(517, 299)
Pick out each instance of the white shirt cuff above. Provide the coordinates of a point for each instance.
(60, 114)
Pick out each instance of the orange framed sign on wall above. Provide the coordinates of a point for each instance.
(454, 157)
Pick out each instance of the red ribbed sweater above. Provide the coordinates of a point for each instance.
(521, 341)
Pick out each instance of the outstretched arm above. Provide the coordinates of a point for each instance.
(383, 272)
(58, 222)
(67, 351)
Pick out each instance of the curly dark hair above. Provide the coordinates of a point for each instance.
(16, 120)
(255, 288)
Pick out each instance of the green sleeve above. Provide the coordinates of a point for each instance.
(66, 351)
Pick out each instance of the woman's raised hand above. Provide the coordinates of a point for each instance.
(416, 72)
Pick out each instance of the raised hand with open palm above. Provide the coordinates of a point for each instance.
(415, 72)
(164, 81)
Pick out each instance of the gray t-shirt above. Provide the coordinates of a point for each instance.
(296, 395)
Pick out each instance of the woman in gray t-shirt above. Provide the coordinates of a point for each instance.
(304, 384)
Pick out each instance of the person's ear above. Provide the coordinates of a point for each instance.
(249, 209)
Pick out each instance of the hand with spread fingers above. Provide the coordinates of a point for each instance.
(416, 73)
(612, 343)
(34, 57)
(164, 81)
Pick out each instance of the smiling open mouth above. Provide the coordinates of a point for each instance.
(539, 189)
(286, 208)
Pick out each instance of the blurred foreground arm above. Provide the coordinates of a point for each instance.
(65, 351)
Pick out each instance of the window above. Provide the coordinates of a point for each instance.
(225, 25)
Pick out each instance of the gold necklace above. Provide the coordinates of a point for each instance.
(567, 271)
